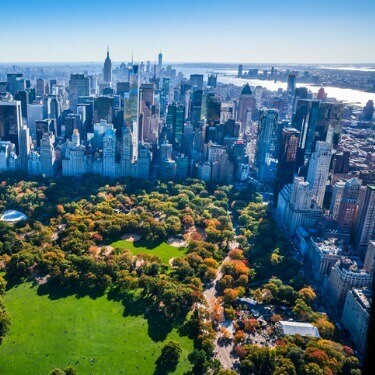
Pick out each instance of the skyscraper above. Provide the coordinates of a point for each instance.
(107, 69)
(265, 158)
(160, 62)
(317, 175)
(78, 86)
(239, 73)
(246, 106)
(175, 124)
(349, 205)
(10, 121)
(286, 158)
(131, 109)
(197, 81)
(291, 84)
(317, 121)
(40, 87)
(25, 147)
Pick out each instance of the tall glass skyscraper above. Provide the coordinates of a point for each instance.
(266, 151)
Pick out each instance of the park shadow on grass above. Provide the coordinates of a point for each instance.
(56, 291)
(158, 325)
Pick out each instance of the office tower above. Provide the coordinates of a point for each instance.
(40, 87)
(10, 121)
(16, 82)
(213, 109)
(182, 167)
(368, 111)
(347, 214)
(78, 86)
(71, 122)
(338, 190)
(196, 107)
(226, 112)
(345, 275)
(147, 93)
(52, 85)
(365, 227)
(107, 70)
(131, 109)
(196, 80)
(104, 109)
(109, 152)
(286, 158)
(122, 88)
(25, 147)
(317, 121)
(23, 97)
(246, 106)
(47, 155)
(265, 158)
(317, 175)
(34, 113)
(164, 96)
(356, 316)
(299, 93)
(240, 69)
(185, 87)
(212, 80)
(291, 84)
(160, 62)
(175, 125)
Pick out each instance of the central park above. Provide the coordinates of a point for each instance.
(137, 278)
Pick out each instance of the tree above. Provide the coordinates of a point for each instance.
(311, 369)
(307, 294)
(199, 360)
(325, 327)
(169, 357)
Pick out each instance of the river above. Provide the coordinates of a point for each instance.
(228, 76)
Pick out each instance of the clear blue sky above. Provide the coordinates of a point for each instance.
(328, 31)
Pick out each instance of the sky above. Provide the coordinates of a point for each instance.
(228, 31)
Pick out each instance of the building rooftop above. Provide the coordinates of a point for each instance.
(12, 216)
(294, 328)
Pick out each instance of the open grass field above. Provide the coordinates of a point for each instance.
(97, 336)
(165, 251)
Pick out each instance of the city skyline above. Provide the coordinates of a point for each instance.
(210, 32)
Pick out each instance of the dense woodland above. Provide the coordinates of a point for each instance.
(70, 221)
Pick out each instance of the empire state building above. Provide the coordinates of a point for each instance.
(107, 70)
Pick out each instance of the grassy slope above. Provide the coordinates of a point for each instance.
(165, 251)
(47, 333)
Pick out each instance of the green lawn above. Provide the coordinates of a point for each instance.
(46, 333)
(165, 251)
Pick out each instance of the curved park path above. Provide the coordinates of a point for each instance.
(223, 353)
